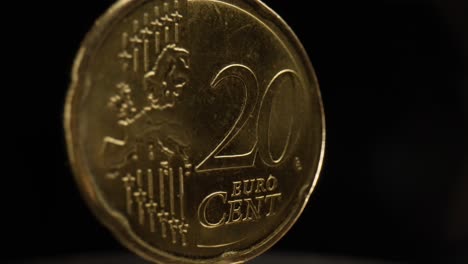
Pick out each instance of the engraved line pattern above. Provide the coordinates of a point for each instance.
(154, 192)
(167, 23)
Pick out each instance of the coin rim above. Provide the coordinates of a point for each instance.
(98, 205)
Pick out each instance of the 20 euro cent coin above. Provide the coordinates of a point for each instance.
(195, 128)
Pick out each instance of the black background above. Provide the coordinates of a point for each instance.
(394, 79)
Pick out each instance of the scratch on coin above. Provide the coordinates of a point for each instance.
(217, 10)
(240, 29)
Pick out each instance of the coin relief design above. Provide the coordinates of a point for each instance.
(152, 159)
(195, 128)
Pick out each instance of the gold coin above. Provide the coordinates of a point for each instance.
(195, 128)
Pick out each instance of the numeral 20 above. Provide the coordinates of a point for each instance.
(254, 116)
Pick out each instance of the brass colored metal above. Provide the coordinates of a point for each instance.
(195, 128)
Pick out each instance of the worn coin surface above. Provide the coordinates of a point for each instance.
(195, 128)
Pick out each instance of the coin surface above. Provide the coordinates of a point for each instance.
(195, 128)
